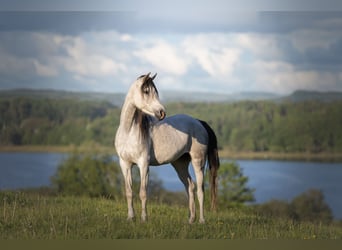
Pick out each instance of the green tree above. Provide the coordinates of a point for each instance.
(310, 206)
(90, 175)
(99, 175)
(232, 186)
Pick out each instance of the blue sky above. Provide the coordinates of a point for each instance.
(210, 46)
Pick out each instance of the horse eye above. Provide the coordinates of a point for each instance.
(146, 91)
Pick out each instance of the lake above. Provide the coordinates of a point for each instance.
(271, 179)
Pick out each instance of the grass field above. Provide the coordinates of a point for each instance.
(36, 216)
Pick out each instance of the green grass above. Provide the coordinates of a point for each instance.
(35, 216)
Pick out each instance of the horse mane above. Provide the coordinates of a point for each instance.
(141, 119)
(143, 122)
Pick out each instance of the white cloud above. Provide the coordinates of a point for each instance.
(126, 38)
(216, 64)
(213, 53)
(220, 61)
(86, 56)
(91, 65)
(281, 77)
(163, 56)
(260, 45)
(44, 70)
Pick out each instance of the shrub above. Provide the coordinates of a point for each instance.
(90, 175)
(308, 206)
(232, 186)
(275, 208)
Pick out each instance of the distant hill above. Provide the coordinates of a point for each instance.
(304, 95)
(114, 98)
(176, 96)
(118, 98)
(172, 96)
(297, 96)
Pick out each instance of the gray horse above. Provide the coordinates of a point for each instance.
(145, 137)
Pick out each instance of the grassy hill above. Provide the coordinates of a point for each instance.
(37, 216)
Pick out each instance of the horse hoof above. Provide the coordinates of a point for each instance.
(202, 221)
(130, 219)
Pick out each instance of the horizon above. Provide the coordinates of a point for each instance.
(171, 91)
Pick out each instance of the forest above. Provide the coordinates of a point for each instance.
(310, 126)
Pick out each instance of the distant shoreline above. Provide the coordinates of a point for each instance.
(57, 149)
(226, 154)
(296, 156)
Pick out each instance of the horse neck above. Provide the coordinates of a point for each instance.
(127, 115)
(133, 121)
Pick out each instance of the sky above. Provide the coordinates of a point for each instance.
(208, 46)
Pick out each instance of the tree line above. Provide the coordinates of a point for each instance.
(253, 126)
(259, 126)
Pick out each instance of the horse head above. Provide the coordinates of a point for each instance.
(146, 97)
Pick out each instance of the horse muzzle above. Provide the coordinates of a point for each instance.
(160, 114)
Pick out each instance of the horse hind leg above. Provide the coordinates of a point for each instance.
(181, 166)
(198, 165)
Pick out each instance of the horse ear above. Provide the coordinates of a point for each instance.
(146, 77)
(154, 76)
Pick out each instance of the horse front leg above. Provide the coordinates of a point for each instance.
(144, 169)
(126, 169)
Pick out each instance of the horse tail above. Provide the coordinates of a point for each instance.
(213, 162)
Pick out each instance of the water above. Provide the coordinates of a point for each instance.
(23, 170)
(271, 179)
